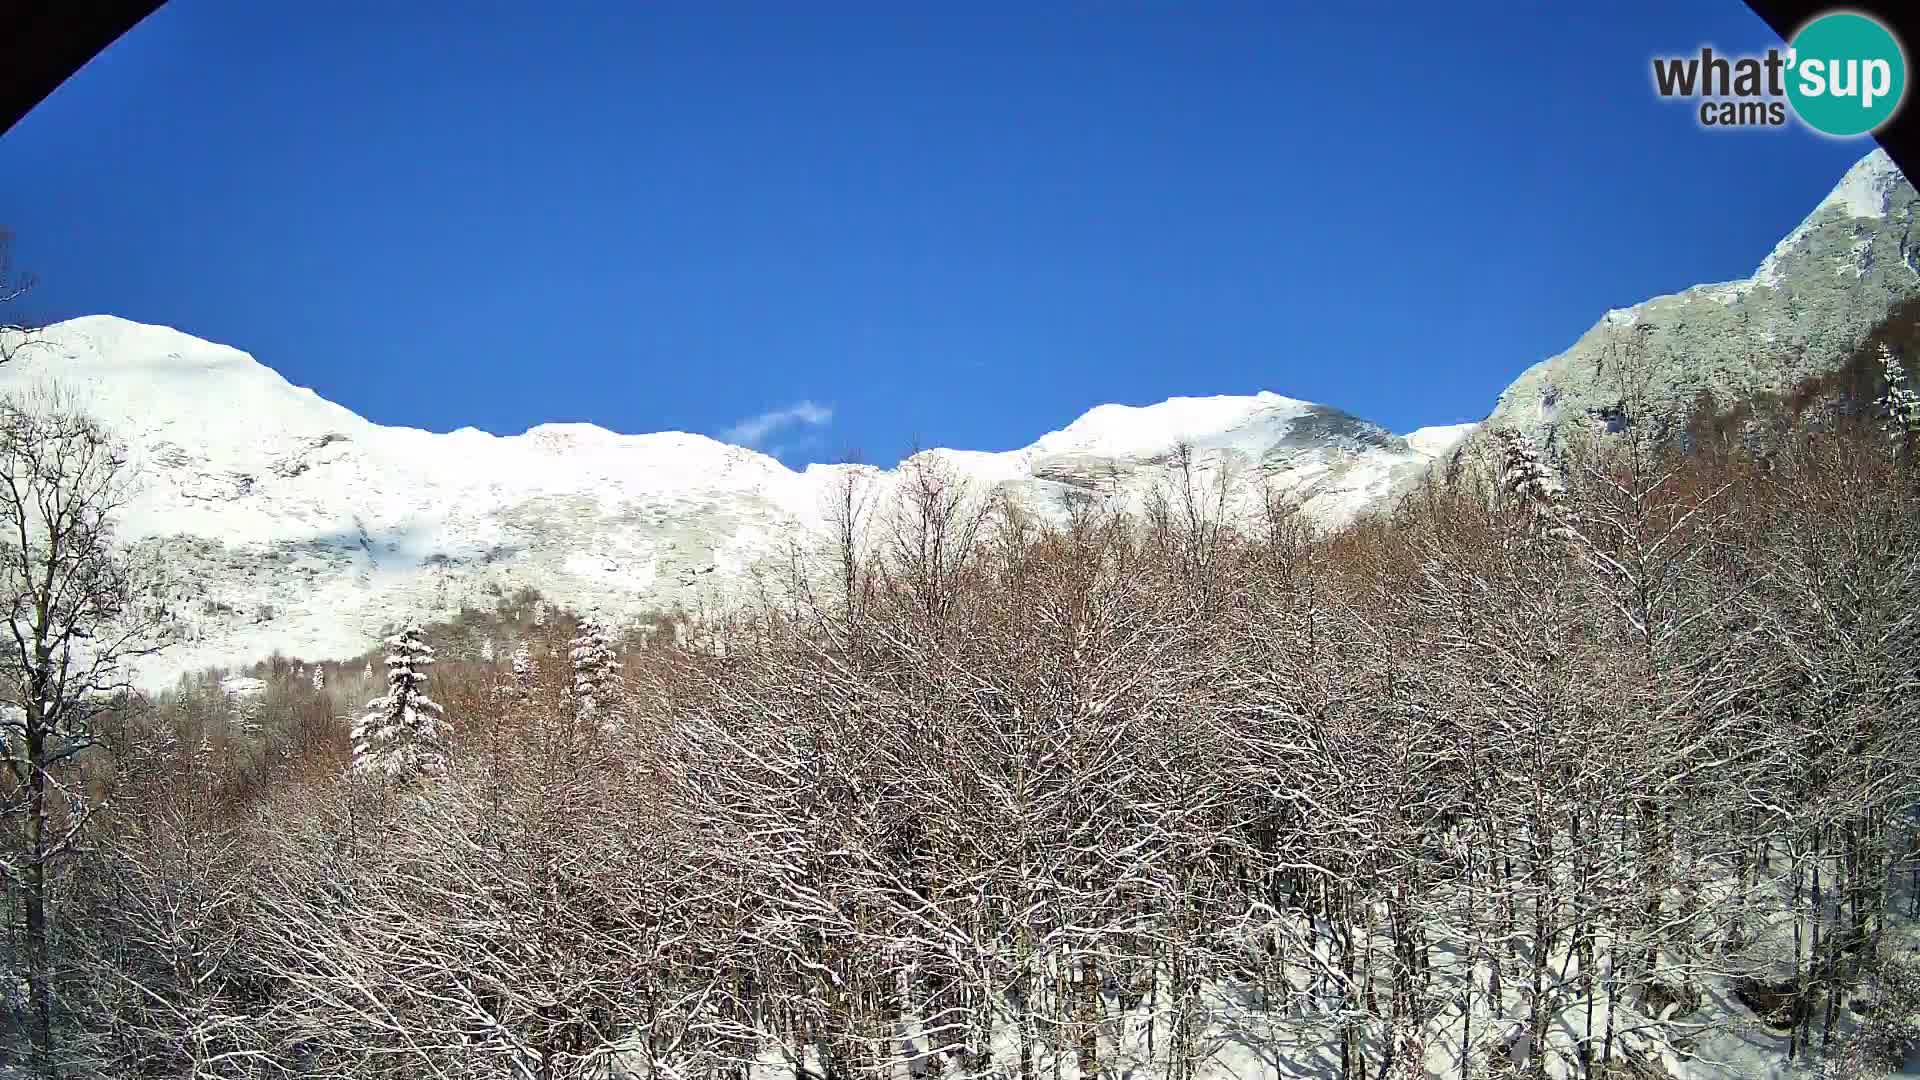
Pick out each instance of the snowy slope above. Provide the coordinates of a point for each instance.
(296, 525)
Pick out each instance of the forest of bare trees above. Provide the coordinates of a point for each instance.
(1604, 768)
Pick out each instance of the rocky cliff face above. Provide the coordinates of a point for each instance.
(1807, 306)
(292, 524)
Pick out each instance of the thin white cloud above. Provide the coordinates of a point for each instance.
(754, 430)
(779, 451)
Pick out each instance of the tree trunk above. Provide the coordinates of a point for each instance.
(1089, 1019)
(39, 954)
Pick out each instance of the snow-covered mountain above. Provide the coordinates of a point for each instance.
(295, 525)
(1803, 311)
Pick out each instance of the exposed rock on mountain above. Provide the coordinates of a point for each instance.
(1803, 311)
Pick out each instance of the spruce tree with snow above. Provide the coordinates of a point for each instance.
(1900, 405)
(402, 736)
(1526, 477)
(596, 672)
(319, 677)
(519, 684)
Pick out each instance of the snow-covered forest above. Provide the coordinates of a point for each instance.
(1599, 767)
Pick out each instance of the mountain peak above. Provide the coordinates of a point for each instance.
(1867, 190)
(1818, 294)
(267, 499)
(1867, 187)
(129, 341)
(142, 379)
(570, 435)
(1127, 429)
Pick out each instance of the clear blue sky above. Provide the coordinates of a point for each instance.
(956, 224)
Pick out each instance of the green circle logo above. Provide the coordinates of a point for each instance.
(1848, 74)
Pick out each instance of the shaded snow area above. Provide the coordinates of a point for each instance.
(293, 525)
(1283, 1017)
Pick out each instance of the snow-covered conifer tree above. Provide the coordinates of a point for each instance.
(596, 671)
(523, 668)
(1900, 405)
(319, 677)
(1526, 477)
(402, 736)
(519, 685)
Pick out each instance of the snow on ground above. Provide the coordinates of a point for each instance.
(243, 686)
(1247, 1032)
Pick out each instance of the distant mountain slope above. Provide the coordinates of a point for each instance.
(1803, 311)
(296, 525)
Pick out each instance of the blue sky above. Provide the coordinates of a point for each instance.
(842, 227)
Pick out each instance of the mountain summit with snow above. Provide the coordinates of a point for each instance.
(1807, 306)
(297, 526)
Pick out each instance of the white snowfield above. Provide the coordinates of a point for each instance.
(293, 525)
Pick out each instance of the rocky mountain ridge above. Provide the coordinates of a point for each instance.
(1807, 306)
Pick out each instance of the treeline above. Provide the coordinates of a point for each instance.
(1566, 771)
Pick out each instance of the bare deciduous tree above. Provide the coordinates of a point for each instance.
(15, 332)
(79, 610)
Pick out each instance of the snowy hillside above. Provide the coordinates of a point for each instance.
(298, 526)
